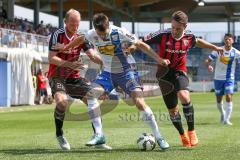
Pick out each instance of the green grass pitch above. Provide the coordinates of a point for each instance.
(28, 133)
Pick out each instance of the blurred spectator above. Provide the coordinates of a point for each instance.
(42, 91)
(49, 91)
(26, 26)
(34, 79)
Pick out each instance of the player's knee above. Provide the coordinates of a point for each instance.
(228, 97)
(62, 105)
(184, 97)
(139, 102)
(95, 93)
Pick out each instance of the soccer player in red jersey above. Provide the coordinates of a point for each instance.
(174, 45)
(64, 71)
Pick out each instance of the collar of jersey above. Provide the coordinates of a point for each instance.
(65, 31)
(180, 37)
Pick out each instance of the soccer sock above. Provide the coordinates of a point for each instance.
(59, 117)
(220, 108)
(95, 115)
(189, 115)
(177, 122)
(229, 107)
(149, 118)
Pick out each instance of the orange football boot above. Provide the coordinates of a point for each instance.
(193, 138)
(185, 140)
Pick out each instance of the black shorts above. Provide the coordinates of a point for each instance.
(42, 92)
(170, 83)
(74, 87)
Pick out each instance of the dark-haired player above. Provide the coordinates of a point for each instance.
(173, 45)
(119, 69)
(224, 76)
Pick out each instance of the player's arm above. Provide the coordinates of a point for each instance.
(76, 42)
(151, 53)
(204, 44)
(238, 56)
(91, 53)
(152, 38)
(211, 58)
(88, 48)
(54, 59)
(208, 64)
(144, 47)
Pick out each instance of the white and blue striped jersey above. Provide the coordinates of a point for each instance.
(225, 64)
(112, 48)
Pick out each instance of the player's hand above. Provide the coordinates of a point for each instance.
(210, 68)
(220, 50)
(60, 47)
(131, 49)
(164, 62)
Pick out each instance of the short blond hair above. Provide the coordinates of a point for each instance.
(72, 12)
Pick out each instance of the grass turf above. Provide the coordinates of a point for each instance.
(28, 133)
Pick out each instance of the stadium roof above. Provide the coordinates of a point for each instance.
(146, 10)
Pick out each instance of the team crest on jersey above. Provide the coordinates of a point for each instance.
(147, 37)
(185, 42)
(168, 43)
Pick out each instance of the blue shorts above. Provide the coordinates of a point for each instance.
(223, 87)
(128, 81)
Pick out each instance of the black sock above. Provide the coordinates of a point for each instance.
(189, 115)
(176, 120)
(59, 117)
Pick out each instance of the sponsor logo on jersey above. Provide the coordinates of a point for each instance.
(130, 36)
(175, 51)
(107, 50)
(224, 60)
(168, 43)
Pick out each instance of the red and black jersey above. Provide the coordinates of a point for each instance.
(172, 49)
(60, 36)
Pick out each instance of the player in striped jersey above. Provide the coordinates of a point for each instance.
(174, 45)
(64, 71)
(119, 69)
(224, 76)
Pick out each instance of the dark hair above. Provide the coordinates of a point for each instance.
(100, 22)
(229, 35)
(180, 17)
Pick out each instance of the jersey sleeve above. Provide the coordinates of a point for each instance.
(238, 56)
(87, 45)
(213, 55)
(193, 40)
(89, 37)
(53, 41)
(127, 36)
(154, 37)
